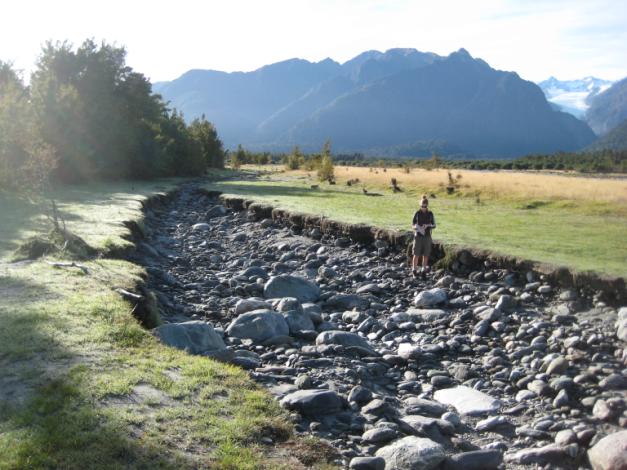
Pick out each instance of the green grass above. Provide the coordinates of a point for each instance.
(583, 236)
(83, 385)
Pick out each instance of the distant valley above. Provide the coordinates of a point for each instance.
(401, 102)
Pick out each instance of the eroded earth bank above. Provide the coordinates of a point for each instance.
(493, 369)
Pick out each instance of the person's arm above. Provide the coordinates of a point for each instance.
(432, 220)
(414, 221)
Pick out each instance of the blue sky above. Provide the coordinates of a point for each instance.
(565, 38)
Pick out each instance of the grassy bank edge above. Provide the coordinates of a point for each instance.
(84, 386)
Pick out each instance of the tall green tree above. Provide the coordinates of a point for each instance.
(206, 135)
(25, 161)
(102, 119)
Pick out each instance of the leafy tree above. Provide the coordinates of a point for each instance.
(102, 119)
(25, 161)
(205, 133)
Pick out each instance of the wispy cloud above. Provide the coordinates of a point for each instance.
(537, 38)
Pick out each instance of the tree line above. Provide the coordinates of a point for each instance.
(86, 115)
(602, 161)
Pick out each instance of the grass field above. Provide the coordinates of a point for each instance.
(564, 220)
(83, 385)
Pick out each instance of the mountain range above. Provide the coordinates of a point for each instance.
(398, 102)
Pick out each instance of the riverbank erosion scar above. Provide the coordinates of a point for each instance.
(461, 370)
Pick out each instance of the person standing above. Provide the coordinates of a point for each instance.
(423, 222)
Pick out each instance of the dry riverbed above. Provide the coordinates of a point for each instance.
(493, 369)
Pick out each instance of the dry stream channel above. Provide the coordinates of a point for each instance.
(492, 369)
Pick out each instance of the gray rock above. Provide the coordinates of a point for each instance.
(248, 305)
(614, 382)
(409, 351)
(445, 281)
(313, 402)
(326, 273)
(506, 303)
(287, 304)
(255, 271)
(412, 453)
(491, 423)
(421, 315)
(216, 211)
(428, 298)
(561, 399)
(266, 223)
(347, 302)
(371, 288)
(258, 325)
(602, 410)
(485, 459)
(551, 453)
(303, 382)
(376, 407)
(298, 321)
(467, 401)
(422, 406)
(425, 425)
(201, 227)
(197, 337)
(565, 437)
(360, 395)
(286, 285)
(345, 339)
(610, 453)
(379, 435)
(367, 463)
(557, 366)
(353, 316)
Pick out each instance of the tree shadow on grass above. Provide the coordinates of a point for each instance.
(48, 419)
(279, 190)
(21, 215)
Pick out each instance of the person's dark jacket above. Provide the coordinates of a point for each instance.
(424, 218)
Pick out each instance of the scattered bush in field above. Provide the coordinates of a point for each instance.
(294, 160)
(326, 171)
(395, 186)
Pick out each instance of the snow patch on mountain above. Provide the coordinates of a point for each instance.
(572, 95)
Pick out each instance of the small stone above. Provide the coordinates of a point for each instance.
(561, 399)
(379, 435)
(491, 423)
(603, 411)
(360, 395)
(613, 382)
(467, 400)
(565, 437)
(485, 459)
(557, 366)
(303, 382)
(412, 453)
(367, 463)
(313, 402)
(430, 297)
